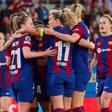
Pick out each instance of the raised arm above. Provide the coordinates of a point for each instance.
(94, 61)
(10, 40)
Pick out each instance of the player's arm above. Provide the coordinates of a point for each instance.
(75, 37)
(26, 48)
(30, 54)
(11, 40)
(33, 31)
(94, 61)
(8, 57)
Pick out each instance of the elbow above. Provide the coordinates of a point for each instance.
(71, 40)
(26, 53)
(26, 56)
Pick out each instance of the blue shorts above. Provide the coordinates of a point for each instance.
(60, 84)
(23, 91)
(40, 90)
(81, 81)
(104, 85)
(5, 92)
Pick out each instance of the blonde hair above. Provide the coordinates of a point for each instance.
(77, 10)
(57, 13)
(109, 17)
(16, 20)
(2, 35)
(69, 17)
(2, 40)
(66, 16)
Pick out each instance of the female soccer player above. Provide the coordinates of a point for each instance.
(60, 77)
(80, 36)
(39, 72)
(103, 59)
(21, 71)
(5, 91)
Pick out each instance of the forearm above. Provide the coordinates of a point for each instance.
(65, 37)
(31, 54)
(8, 43)
(94, 61)
(85, 43)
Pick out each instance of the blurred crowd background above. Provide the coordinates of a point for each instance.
(38, 9)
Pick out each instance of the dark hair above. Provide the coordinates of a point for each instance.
(38, 23)
(16, 20)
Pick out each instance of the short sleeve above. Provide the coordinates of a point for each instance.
(27, 41)
(7, 53)
(78, 30)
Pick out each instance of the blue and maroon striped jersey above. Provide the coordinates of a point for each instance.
(20, 67)
(104, 56)
(80, 54)
(4, 71)
(62, 62)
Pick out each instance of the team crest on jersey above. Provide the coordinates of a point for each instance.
(15, 44)
(28, 38)
(99, 50)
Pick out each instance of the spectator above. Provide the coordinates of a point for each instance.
(42, 12)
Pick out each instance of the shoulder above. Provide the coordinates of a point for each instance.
(27, 38)
(98, 39)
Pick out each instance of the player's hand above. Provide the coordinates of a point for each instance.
(51, 52)
(8, 60)
(92, 46)
(49, 31)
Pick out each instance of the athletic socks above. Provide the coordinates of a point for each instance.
(78, 109)
(58, 110)
(83, 109)
(69, 110)
(104, 110)
(33, 110)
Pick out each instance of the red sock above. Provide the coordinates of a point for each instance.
(104, 110)
(33, 110)
(78, 109)
(69, 110)
(83, 109)
(58, 110)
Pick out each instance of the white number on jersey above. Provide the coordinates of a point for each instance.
(63, 45)
(15, 57)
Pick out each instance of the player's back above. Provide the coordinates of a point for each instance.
(62, 62)
(20, 67)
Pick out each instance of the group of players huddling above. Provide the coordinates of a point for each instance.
(56, 57)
